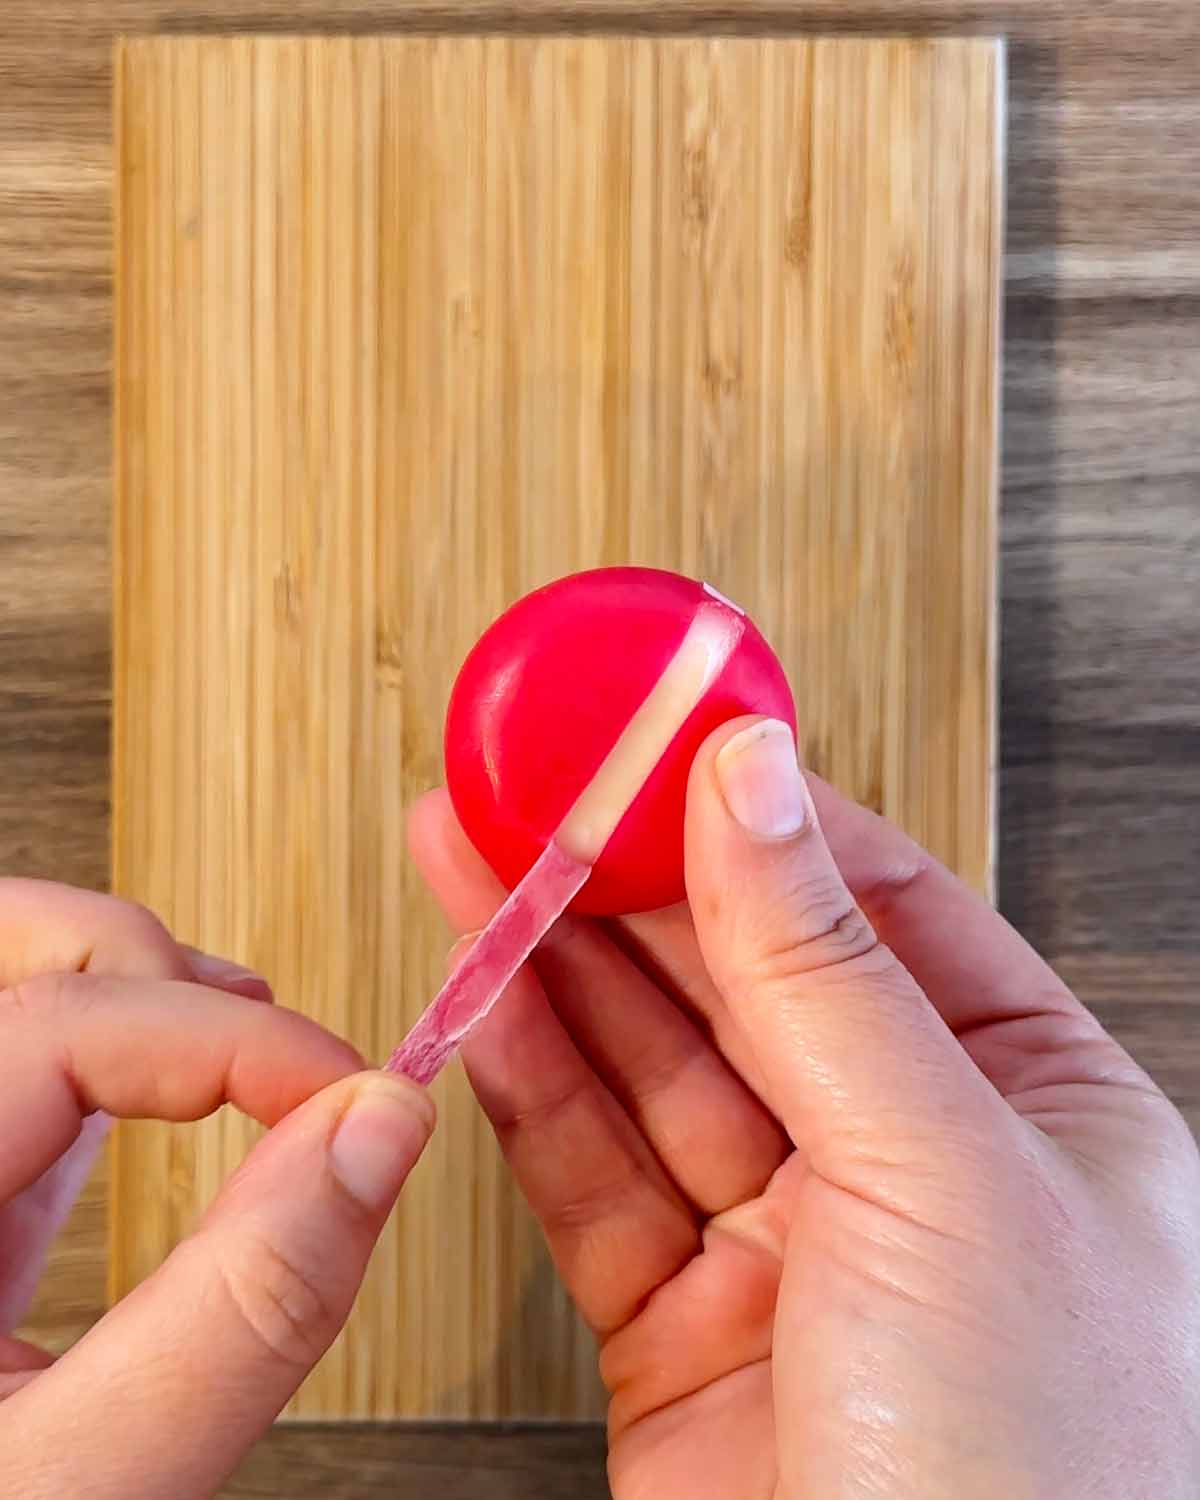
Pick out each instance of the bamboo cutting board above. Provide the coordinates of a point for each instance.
(406, 327)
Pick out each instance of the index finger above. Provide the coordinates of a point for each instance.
(137, 1048)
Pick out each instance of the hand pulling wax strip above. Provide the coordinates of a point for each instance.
(571, 732)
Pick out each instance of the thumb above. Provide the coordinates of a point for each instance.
(169, 1391)
(848, 1045)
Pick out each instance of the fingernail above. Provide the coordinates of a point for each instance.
(459, 950)
(760, 779)
(379, 1137)
(224, 974)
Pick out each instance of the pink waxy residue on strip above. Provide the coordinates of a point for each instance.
(552, 883)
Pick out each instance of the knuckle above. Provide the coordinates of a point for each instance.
(581, 1210)
(137, 924)
(814, 924)
(131, 939)
(35, 998)
(282, 1309)
(891, 887)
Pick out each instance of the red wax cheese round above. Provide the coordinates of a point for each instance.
(542, 699)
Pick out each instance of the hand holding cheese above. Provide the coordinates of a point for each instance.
(856, 1195)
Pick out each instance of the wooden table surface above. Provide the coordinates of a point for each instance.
(1100, 710)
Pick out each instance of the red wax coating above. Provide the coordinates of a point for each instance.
(543, 697)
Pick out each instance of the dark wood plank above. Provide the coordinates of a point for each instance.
(1100, 719)
(453, 1463)
(1150, 1004)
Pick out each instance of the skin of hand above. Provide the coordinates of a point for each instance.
(858, 1199)
(102, 1013)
